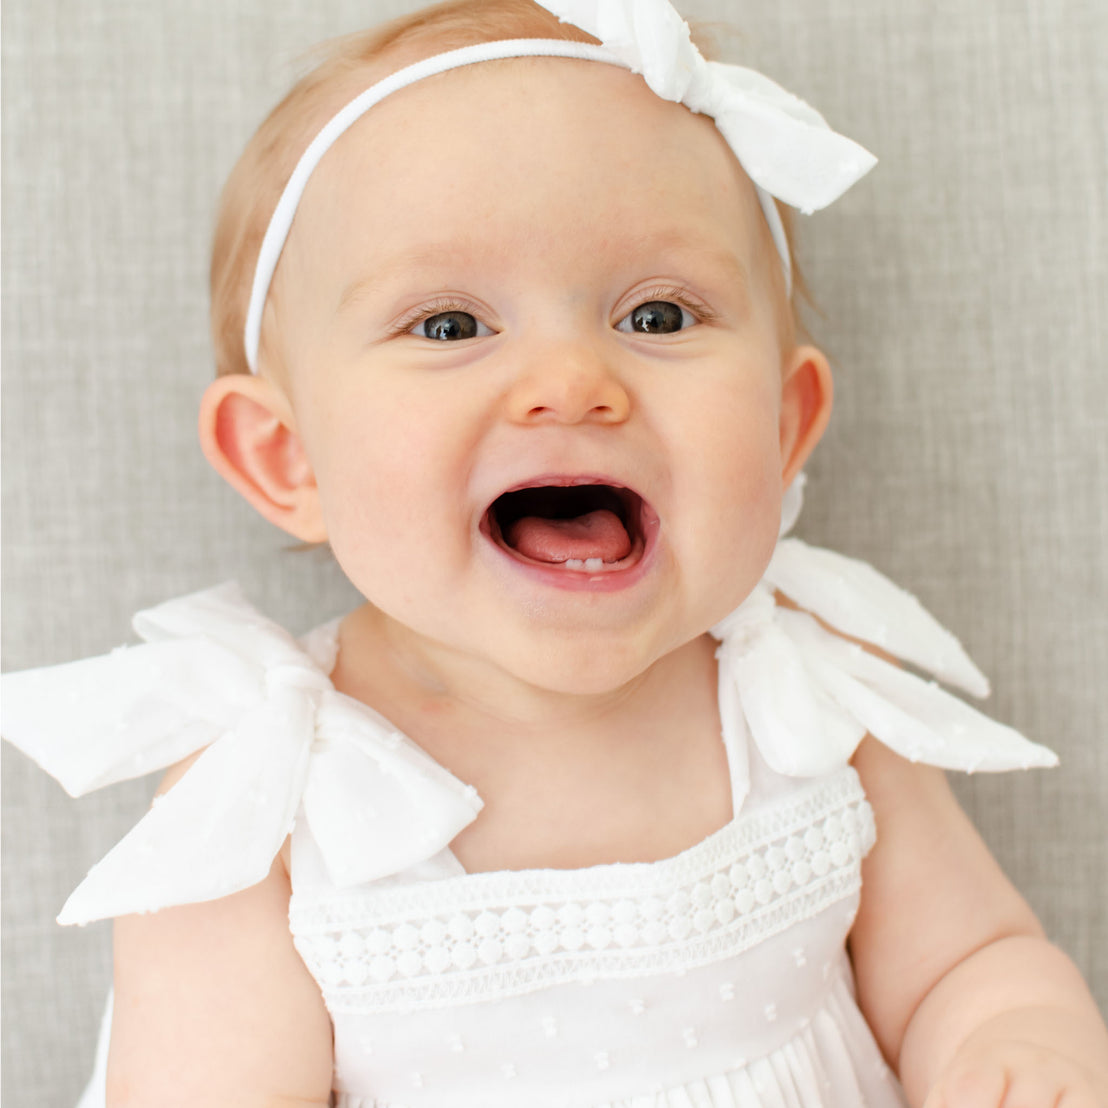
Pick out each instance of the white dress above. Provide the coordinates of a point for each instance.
(716, 978)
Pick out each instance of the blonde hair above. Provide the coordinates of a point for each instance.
(347, 67)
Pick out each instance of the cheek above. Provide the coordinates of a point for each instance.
(736, 440)
(368, 497)
(736, 487)
(379, 526)
(349, 449)
(385, 482)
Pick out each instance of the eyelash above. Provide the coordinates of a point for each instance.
(425, 311)
(675, 295)
(701, 312)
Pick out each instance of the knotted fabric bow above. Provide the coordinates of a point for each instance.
(786, 148)
(806, 696)
(215, 674)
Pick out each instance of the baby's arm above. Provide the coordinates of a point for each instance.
(967, 998)
(213, 1006)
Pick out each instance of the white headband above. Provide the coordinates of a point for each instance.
(785, 147)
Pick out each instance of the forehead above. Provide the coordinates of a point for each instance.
(521, 155)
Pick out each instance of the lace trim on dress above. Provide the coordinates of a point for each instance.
(481, 936)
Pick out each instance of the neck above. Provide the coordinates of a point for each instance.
(567, 780)
(426, 688)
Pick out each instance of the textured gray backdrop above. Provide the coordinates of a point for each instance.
(962, 289)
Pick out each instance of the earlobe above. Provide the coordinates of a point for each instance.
(806, 397)
(248, 434)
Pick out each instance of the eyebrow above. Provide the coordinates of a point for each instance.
(714, 257)
(725, 265)
(674, 249)
(415, 258)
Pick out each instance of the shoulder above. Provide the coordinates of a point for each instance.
(188, 979)
(932, 893)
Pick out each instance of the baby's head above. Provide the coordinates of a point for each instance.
(348, 67)
(527, 361)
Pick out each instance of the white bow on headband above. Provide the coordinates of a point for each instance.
(785, 147)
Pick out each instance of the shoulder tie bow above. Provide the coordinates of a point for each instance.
(213, 673)
(278, 737)
(807, 696)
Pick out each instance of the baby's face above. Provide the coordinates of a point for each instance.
(534, 355)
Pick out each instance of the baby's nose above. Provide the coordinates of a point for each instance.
(568, 383)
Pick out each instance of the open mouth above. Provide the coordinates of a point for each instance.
(585, 527)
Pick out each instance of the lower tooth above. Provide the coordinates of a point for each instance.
(590, 565)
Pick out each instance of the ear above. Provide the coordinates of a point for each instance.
(806, 395)
(247, 432)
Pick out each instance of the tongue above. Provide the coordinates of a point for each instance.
(598, 534)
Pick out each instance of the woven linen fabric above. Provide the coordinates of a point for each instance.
(961, 290)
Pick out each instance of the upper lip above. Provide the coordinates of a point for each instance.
(566, 480)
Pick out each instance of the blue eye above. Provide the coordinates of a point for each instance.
(656, 317)
(452, 326)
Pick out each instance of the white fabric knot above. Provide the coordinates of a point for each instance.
(215, 676)
(295, 677)
(806, 696)
(648, 36)
(784, 145)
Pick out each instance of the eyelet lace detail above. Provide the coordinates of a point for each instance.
(487, 935)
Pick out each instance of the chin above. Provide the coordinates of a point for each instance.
(582, 665)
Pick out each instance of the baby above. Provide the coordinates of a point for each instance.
(505, 318)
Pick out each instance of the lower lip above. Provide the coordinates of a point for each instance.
(580, 580)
